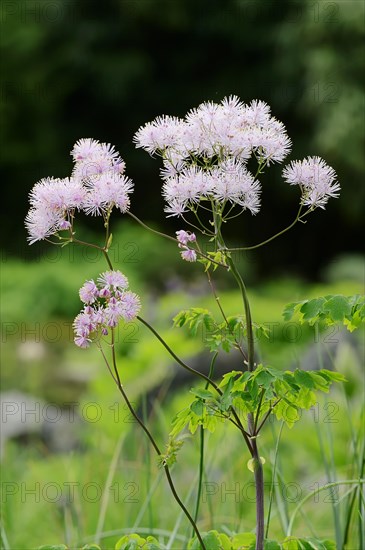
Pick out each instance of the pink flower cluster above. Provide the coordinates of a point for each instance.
(106, 302)
(205, 154)
(185, 237)
(205, 157)
(96, 185)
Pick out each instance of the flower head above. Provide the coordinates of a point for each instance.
(92, 157)
(107, 303)
(114, 279)
(96, 186)
(185, 237)
(89, 292)
(189, 255)
(205, 154)
(316, 179)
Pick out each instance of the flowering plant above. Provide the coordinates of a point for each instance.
(207, 176)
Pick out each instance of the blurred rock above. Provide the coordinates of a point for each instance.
(29, 419)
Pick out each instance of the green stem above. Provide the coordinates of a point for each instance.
(258, 469)
(117, 380)
(271, 497)
(173, 239)
(217, 299)
(238, 422)
(246, 305)
(258, 429)
(297, 218)
(241, 285)
(150, 228)
(153, 442)
(201, 461)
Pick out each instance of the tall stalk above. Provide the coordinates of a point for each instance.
(116, 377)
(258, 469)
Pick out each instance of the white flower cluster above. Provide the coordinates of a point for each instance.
(205, 154)
(316, 179)
(97, 184)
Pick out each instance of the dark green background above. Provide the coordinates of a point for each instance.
(102, 68)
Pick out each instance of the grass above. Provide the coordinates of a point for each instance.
(113, 483)
(109, 489)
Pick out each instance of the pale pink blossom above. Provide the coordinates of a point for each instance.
(185, 237)
(114, 279)
(88, 292)
(316, 179)
(189, 255)
(107, 303)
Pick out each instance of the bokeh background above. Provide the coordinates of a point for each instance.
(86, 68)
(78, 69)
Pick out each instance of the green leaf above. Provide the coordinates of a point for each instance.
(152, 544)
(304, 379)
(337, 307)
(290, 543)
(272, 545)
(225, 543)
(243, 541)
(211, 540)
(181, 420)
(289, 379)
(312, 309)
(264, 379)
(197, 407)
(130, 542)
(290, 310)
(306, 399)
(320, 382)
(226, 377)
(329, 544)
(333, 375)
(203, 394)
(210, 423)
(53, 547)
(348, 310)
(91, 547)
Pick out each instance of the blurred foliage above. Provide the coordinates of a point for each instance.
(74, 70)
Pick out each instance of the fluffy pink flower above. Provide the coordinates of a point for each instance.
(88, 292)
(42, 223)
(316, 179)
(113, 312)
(197, 149)
(92, 157)
(131, 305)
(107, 302)
(84, 322)
(114, 279)
(107, 190)
(185, 237)
(189, 255)
(82, 341)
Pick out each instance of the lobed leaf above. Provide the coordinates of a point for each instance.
(330, 309)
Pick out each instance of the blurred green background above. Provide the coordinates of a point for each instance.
(81, 69)
(101, 69)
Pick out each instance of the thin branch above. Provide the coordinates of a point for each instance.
(297, 218)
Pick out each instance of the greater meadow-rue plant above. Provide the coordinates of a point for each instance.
(211, 164)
